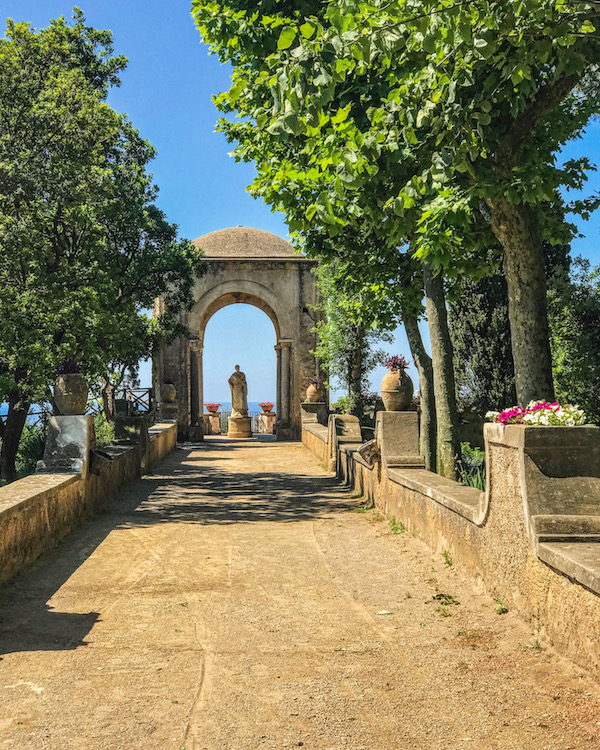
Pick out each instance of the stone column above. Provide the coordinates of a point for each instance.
(195, 408)
(286, 381)
(277, 348)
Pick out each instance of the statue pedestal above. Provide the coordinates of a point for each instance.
(240, 427)
(212, 424)
(314, 412)
(266, 422)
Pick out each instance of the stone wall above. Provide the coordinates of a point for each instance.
(314, 437)
(38, 511)
(491, 536)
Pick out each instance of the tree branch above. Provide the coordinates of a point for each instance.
(546, 99)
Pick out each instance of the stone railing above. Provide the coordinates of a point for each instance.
(38, 511)
(532, 538)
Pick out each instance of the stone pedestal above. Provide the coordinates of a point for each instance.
(212, 423)
(397, 435)
(68, 445)
(266, 423)
(240, 427)
(168, 412)
(314, 411)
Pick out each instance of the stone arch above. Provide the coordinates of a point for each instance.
(258, 268)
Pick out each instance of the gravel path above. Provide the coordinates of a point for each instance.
(236, 600)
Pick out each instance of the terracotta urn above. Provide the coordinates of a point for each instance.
(267, 408)
(312, 394)
(71, 393)
(168, 393)
(212, 408)
(397, 390)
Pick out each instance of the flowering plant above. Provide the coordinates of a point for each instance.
(396, 362)
(262, 404)
(540, 413)
(208, 406)
(317, 382)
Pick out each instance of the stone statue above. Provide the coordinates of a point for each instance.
(239, 393)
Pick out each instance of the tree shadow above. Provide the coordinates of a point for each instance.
(187, 487)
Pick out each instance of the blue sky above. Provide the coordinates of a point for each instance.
(166, 91)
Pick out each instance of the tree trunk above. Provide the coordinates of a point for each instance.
(448, 445)
(517, 229)
(13, 428)
(355, 372)
(107, 393)
(425, 368)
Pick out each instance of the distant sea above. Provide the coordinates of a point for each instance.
(252, 406)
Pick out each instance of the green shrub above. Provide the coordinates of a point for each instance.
(105, 431)
(472, 466)
(31, 449)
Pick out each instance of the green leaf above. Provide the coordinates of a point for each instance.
(307, 30)
(286, 38)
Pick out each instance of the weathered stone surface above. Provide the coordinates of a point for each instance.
(397, 435)
(248, 266)
(38, 511)
(240, 427)
(212, 424)
(266, 423)
(523, 539)
(314, 411)
(239, 393)
(68, 444)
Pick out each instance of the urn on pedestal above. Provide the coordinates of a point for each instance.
(313, 392)
(70, 389)
(396, 387)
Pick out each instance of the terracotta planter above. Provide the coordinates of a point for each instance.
(312, 394)
(267, 409)
(397, 390)
(168, 393)
(212, 408)
(70, 394)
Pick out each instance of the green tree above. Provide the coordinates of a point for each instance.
(83, 248)
(575, 338)
(421, 111)
(347, 336)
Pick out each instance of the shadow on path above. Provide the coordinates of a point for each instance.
(191, 489)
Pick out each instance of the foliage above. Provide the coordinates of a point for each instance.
(412, 116)
(343, 405)
(317, 382)
(471, 469)
(104, 430)
(31, 449)
(480, 331)
(83, 249)
(480, 328)
(395, 362)
(540, 413)
(347, 337)
(575, 338)
(68, 367)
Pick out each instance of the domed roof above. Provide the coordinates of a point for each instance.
(245, 242)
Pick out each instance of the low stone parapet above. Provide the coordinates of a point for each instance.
(532, 538)
(38, 511)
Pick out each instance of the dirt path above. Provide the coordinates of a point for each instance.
(236, 600)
